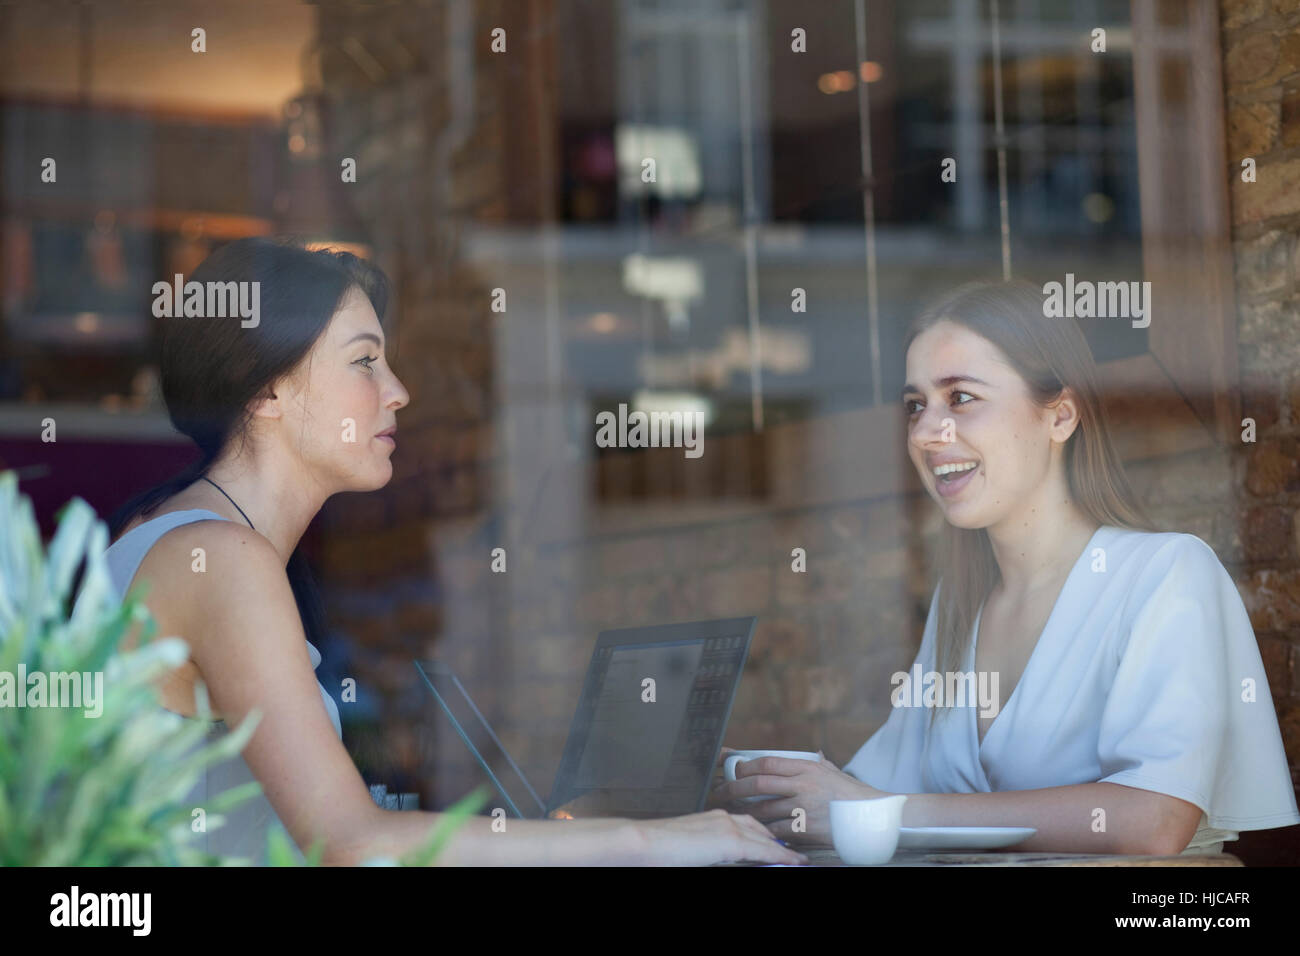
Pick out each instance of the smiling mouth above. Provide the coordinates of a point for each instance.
(954, 471)
(952, 482)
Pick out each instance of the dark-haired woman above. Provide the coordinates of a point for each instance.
(286, 413)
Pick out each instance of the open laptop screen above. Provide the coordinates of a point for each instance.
(649, 725)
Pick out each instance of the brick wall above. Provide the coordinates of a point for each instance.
(1261, 44)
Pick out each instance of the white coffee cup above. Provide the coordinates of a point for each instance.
(866, 831)
(737, 756)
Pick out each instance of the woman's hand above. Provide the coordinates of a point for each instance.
(793, 785)
(714, 836)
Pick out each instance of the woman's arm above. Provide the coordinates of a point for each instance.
(247, 639)
(1136, 821)
(699, 839)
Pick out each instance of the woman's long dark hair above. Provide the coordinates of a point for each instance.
(213, 369)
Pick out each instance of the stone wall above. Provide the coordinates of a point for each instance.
(1261, 44)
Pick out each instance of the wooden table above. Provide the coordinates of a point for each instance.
(828, 857)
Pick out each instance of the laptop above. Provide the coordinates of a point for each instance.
(645, 738)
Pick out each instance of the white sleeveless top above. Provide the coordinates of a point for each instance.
(244, 833)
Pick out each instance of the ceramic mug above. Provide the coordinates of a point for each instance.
(866, 831)
(729, 765)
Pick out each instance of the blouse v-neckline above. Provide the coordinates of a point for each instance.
(1033, 654)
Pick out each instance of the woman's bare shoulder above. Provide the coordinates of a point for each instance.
(202, 566)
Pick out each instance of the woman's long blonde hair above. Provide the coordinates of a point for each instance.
(1050, 354)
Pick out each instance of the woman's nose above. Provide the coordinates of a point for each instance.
(929, 427)
(399, 396)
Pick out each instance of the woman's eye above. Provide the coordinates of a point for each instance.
(912, 405)
(365, 362)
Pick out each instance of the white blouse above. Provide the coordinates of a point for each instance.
(1146, 674)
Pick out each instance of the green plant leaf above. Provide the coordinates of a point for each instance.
(448, 823)
(106, 790)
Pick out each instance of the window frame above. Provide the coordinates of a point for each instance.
(1182, 395)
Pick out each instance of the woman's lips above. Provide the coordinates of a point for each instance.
(948, 489)
(388, 438)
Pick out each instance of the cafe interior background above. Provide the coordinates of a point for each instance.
(777, 170)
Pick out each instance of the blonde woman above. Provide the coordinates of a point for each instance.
(1133, 714)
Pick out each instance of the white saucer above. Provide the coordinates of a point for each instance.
(961, 838)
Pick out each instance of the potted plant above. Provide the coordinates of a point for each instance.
(93, 770)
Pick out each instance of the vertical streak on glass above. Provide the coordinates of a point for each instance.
(1091, 140)
(461, 96)
(868, 200)
(550, 213)
(550, 267)
(1030, 139)
(1000, 134)
(643, 228)
(968, 114)
(743, 36)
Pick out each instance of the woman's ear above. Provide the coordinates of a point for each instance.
(267, 405)
(1065, 416)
